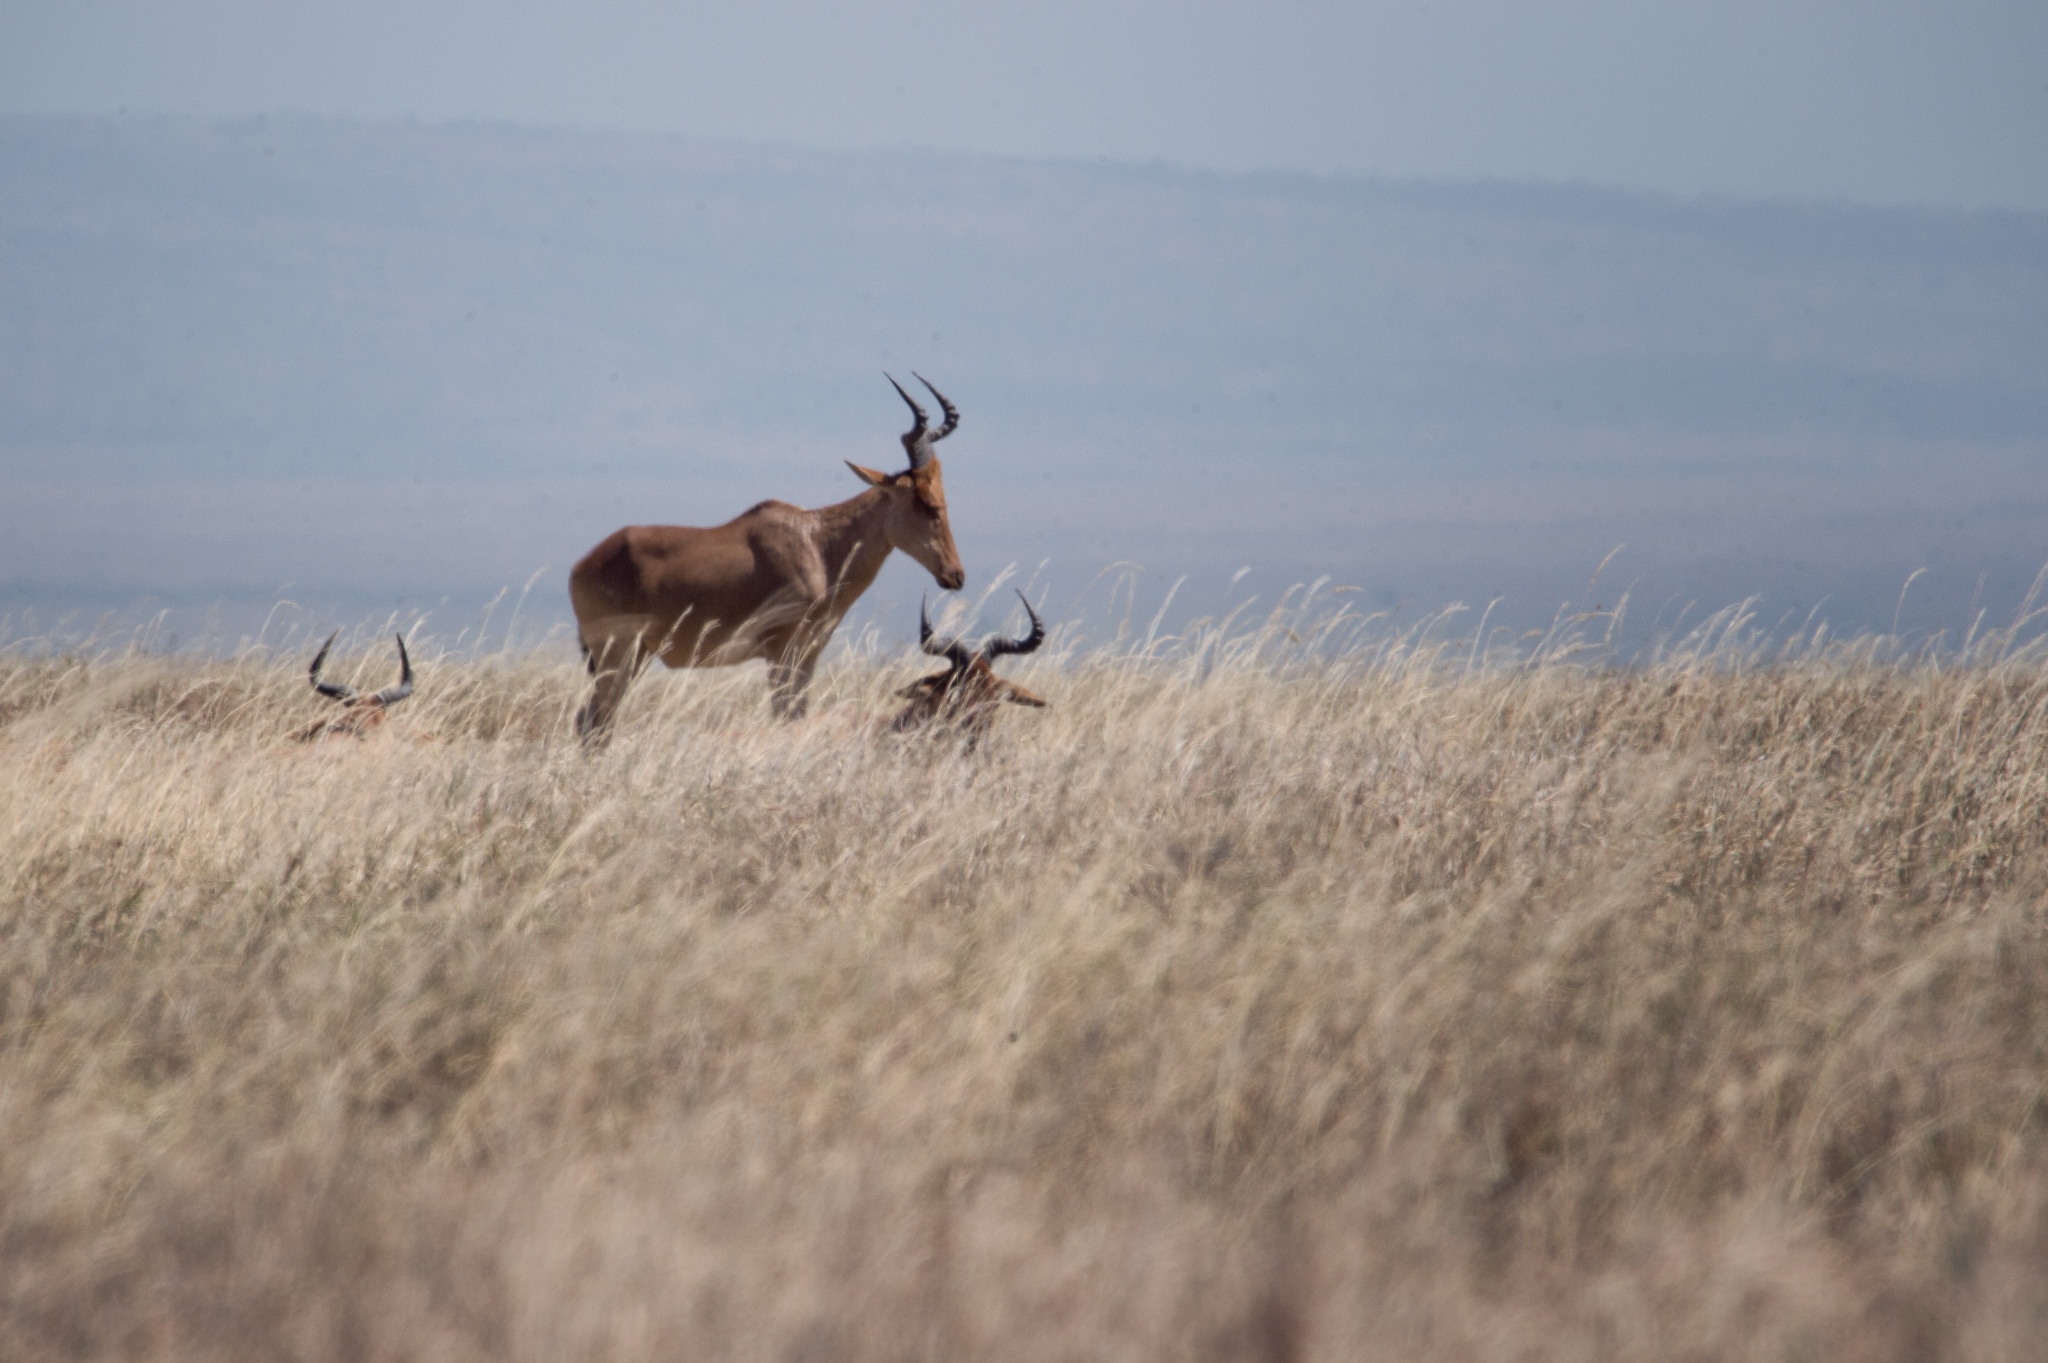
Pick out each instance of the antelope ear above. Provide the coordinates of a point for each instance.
(1017, 695)
(868, 476)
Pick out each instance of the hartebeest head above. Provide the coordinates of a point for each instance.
(917, 521)
(968, 692)
(359, 713)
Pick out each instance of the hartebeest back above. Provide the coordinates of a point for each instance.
(359, 713)
(773, 583)
(967, 693)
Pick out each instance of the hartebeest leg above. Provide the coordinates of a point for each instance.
(791, 660)
(594, 720)
(787, 683)
(613, 662)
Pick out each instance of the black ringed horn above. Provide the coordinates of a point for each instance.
(917, 442)
(952, 650)
(952, 412)
(996, 646)
(331, 690)
(391, 695)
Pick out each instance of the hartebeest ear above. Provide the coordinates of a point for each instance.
(868, 476)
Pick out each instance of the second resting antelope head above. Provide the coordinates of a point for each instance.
(359, 713)
(967, 693)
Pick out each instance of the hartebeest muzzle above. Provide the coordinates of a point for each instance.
(359, 713)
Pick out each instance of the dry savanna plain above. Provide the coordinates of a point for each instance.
(1275, 994)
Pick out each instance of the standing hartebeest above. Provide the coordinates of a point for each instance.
(772, 583)
(967, 694)
(359, 713)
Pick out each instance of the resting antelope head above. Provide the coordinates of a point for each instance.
(968, 692)
(360, 714)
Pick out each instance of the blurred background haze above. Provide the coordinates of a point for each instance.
(380, 309)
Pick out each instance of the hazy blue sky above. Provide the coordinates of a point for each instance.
(395, 304)
(380, 365)
(1889, 101)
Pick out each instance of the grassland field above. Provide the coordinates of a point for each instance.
(1266, 997)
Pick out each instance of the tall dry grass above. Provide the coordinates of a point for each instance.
(1265, 998)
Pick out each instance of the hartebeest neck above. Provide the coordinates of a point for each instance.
(853, 539)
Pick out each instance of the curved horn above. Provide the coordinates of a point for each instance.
(997, 646)
(952, 412)
(917, 441)
(391, 695)
(952, 650)
(331, 690)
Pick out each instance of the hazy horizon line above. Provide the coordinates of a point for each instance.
(1272, 176)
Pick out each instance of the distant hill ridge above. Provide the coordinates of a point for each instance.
(1234, 367)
